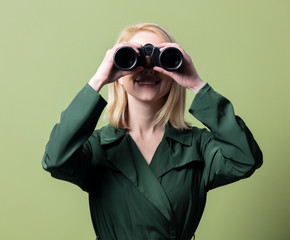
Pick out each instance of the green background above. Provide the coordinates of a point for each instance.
(50, 49)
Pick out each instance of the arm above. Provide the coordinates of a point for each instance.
(68, 152)
(229, 150)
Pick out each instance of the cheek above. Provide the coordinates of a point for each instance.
(164, 77)
(125, 80)
(167, 82)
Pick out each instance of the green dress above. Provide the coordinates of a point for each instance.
(131, 200)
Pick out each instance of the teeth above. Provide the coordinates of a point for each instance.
(152, 83)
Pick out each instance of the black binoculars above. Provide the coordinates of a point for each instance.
(126, 58)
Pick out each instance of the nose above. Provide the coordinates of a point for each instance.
(148, 62)
(148, 68)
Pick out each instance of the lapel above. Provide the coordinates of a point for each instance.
(148, 184)
(178, 149)
(128, 159)
(184, 137)
(120, 157)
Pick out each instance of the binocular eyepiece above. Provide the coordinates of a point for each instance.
(126, 58)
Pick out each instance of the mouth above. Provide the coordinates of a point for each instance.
(147, 82)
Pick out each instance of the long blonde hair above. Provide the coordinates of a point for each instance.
(172, 111)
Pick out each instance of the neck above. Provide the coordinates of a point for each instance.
(141, 116)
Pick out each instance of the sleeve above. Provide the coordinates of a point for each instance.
(68, 152)
(229, 150)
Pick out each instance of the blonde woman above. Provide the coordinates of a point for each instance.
(148, 172)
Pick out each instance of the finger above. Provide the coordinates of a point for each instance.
(133, 45)
(131, 72)
(163, 71)
(136, 70)
(163, 46)
(136, 44)
(168, 44)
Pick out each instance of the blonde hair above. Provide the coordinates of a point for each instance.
(173, 109)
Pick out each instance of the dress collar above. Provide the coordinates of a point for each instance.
(182, 136)
(110, 135)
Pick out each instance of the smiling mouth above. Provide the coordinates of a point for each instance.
(150, 83)
(147, 81)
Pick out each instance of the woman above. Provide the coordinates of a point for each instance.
(148, 172)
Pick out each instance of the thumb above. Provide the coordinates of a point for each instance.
(163, 71)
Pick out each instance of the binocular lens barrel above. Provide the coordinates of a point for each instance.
(125, 58)
(169, 59)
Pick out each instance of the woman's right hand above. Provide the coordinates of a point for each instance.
(107, 72)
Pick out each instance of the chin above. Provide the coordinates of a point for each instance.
(154, 99)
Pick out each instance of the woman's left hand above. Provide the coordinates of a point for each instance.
(188, 76)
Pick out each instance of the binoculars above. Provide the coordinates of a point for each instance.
(126, 58)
